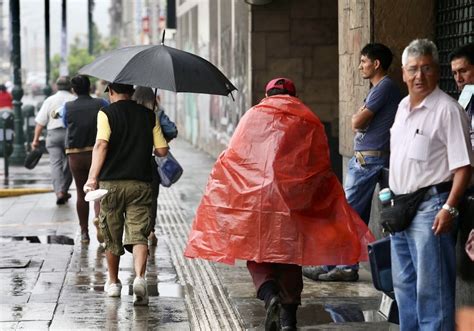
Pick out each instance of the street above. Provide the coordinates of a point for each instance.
(52, 281)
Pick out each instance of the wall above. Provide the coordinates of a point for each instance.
(217, 30)
(298, 40)
(361, 22)
(394, 23)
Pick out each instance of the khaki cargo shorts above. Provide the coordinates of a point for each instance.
(125, 208)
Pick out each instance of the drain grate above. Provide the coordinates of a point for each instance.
(206, 300)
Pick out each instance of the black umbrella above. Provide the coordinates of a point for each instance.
(161, 67)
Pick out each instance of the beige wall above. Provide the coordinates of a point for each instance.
(298, 40)
(393, 23)
(354, 33)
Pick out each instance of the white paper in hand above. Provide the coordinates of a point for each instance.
(95, 195)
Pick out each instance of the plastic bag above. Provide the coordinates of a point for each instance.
(169, 169)
(273, 197)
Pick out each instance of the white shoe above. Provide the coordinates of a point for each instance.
(113, 289)
(140, 292)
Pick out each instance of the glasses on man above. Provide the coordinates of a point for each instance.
(426, 70)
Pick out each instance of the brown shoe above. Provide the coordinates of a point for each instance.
(340, 275)
(100, 236)
(313, 272)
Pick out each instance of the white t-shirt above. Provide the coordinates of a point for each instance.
(428, 142)
(51, 104)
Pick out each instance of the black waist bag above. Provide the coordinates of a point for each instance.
(398, 213)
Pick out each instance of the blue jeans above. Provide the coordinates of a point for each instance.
(359, 188)
(360, 183)
(424, 271)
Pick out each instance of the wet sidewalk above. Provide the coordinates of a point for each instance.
(57, 282)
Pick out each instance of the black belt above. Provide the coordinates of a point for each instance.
(441, 188)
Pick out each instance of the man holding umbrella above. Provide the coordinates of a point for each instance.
(126, 133)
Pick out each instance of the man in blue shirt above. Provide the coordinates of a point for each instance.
(371, 124)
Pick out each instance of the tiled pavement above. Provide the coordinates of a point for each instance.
(62, 286)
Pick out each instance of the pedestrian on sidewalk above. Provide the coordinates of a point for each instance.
(462, 67)
(430, 148)
(80, 119)
(272, 199)
(126, 133)
(6, 100)
(55, 139)
(146, 97)
(371, 124)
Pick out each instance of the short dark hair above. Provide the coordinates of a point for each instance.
(466, 51)
(121, 88)
(377, 51)
(81, 84)
(280, 86)
(276, 91)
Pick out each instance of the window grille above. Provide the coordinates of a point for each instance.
(454, 27)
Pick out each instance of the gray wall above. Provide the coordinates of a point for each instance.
(394, 23)
(298, 40)
(218, 31)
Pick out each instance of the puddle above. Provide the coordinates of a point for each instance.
(314, 314)
(171, 290)
(14, 263)
(47, 239)
(345, 313)
(163, 290)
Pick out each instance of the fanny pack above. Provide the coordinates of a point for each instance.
(398, 212)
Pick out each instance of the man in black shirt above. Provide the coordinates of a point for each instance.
(121, 160)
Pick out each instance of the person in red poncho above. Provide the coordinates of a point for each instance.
(6, 100)
(272, 199)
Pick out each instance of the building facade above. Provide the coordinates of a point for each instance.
(317, 44)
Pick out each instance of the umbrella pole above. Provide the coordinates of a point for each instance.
(154, 102)
(163, 37)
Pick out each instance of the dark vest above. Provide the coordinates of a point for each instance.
(131, 142)
(82, 121)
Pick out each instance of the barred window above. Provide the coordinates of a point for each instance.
(454, 27)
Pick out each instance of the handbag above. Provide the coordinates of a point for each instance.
(380, 261)
(381, 264)
(398, 213)
(33, 157)
(169, 169)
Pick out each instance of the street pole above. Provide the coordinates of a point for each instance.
(19, 153)
(47, 89)
(90, 8)
(63, 70)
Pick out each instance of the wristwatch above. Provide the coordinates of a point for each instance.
(453, 211)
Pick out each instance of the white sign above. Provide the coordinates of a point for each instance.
(466, 95)
(9, 134)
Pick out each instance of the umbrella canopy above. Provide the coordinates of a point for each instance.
(161, 67)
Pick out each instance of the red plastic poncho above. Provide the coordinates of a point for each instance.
(273, 197)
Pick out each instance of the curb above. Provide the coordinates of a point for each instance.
(13, 192)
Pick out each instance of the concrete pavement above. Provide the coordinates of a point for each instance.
(58, 282)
